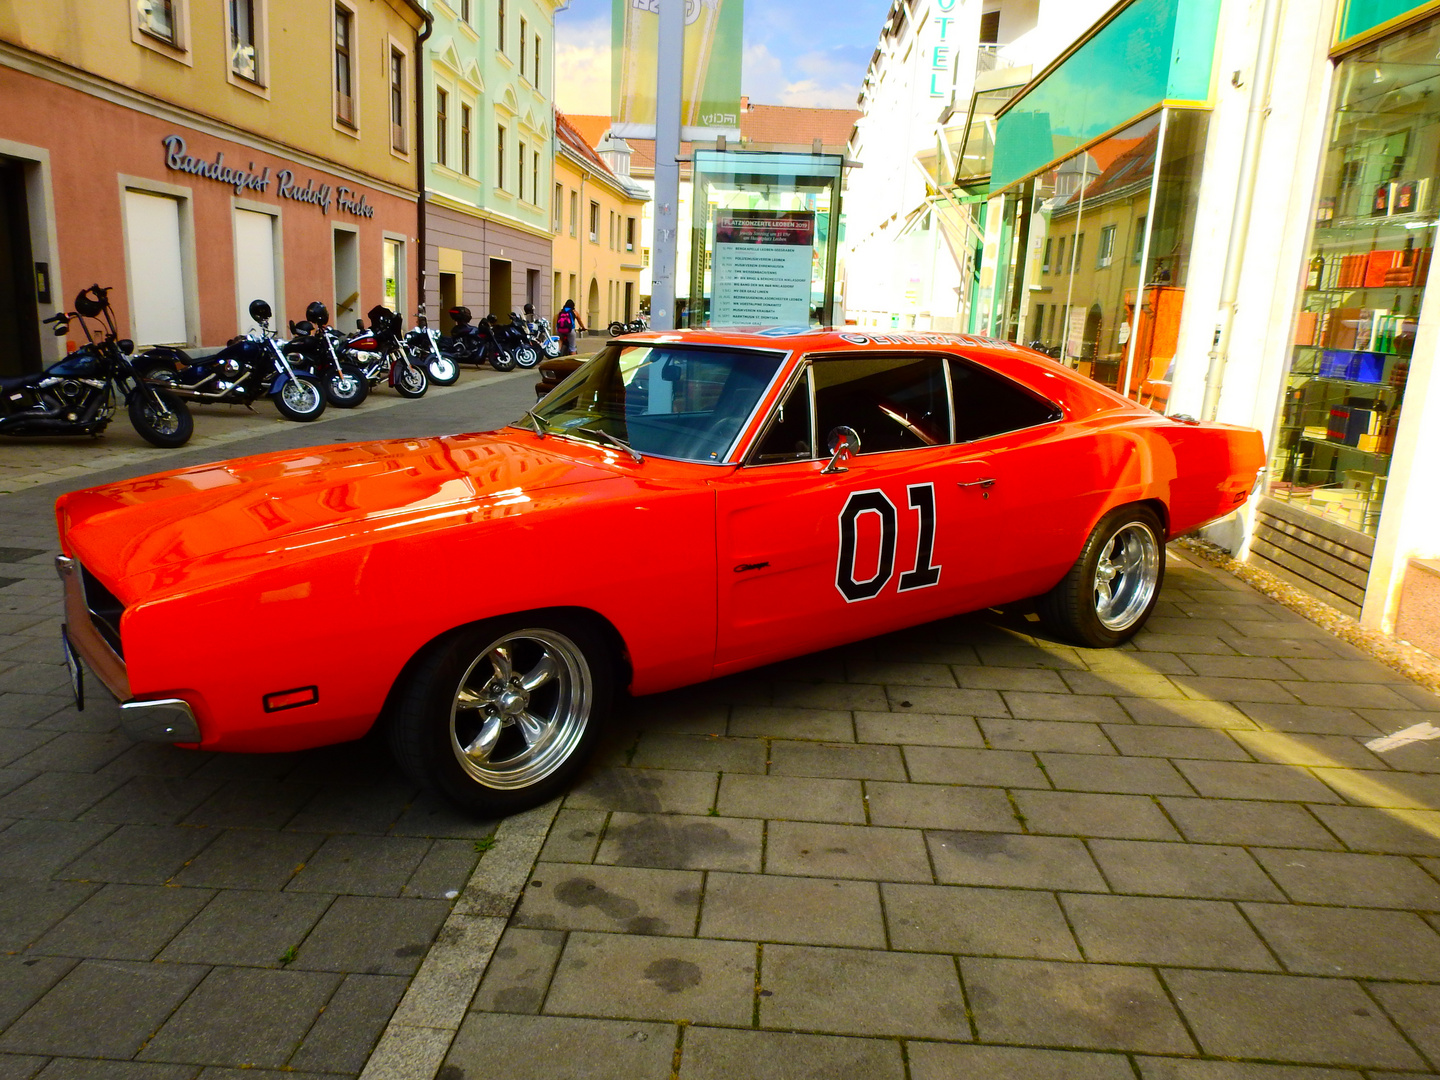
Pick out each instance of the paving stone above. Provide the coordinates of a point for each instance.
(1349, 941)
(373, 935)
(936, 699)
(1166, 625)
(24, 980)
(431, 819)
(1144, 740)
(10, 779)
(898, 672)
(917, 729)
(1067, 813)
(154, 800)
(61, 1068)
(973, 921)
(575, 835)
(443, 872)
(250, 859)
(838, 761)
(1039, 680)
(124, 922)
(946, 1061)
(153, 759)
(645, 791)
(1219, 688)
(353, 808)
(1028, 706)
(73, 752)
(654, 978)
(518, 975)
(722, 1054)
(706, 753)
(989, 768)
(243, 1017)
(797, 798)
(140, 854)
(691, 710)
(1152, 930)
(1387, 832)
(1127, 662)
(548, 1047)
(838, 695)
(1078, 738)
(1416, 1009)
(939, 806)
(861, 992)
(102, 1008)
(1181, 1069)
(1116, 775)
(1188, 714)
(1283, 1018)
(256, 804)
(1242, 780)
(1029, 656)
(244, 927)
(1240, 667)
(1151, 686)
(29, 908)
(250, 766)
(1182, 645)
(1332, 877)
(1027, 862)
(795, 910)
(678, 842)
(346, 1031)
(17, 742)
(1303, 749)
(619, 899)
(1387, 788)
(1199, 870)
(1237, 821)
(361, 865)
(1310, 719)
(1090, 1006)
(33, 678)
(811, 849)
(1354, 695)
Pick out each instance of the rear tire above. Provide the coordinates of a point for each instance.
(1110, 591)
(161, 418)
(500, 716)
(616, 329)
(301, 399)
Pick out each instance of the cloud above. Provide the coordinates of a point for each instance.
(582, 61)
(766, 79)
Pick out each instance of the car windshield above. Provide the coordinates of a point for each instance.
(673, 401)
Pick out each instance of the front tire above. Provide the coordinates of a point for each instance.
(501, 716)
(616, 329)
(1110, 591)
(161, 418)
(443, 371)
(409, 379)
(502, 360)
(301, 399)
(527, 356)
(348, 388)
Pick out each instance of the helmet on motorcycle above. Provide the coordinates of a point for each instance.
(87, 305)
(529, 309)
(260, 311)
(317, 313)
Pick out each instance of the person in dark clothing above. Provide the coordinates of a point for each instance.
(567, 322)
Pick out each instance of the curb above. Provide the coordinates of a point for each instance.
(418, 1037)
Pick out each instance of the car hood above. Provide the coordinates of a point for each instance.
(284, 505)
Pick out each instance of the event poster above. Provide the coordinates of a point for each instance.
(760, 272)
(710, 94)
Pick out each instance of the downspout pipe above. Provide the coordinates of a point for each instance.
(420, 164)
(1244, 201)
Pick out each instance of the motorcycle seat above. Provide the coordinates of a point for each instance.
(16, 382)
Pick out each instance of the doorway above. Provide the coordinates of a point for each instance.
(156, 253)
(449, 298)
(500, 303)
(347, 277)
(592, 305)
(254, 263)
(19, 313)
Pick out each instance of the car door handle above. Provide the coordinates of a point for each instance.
(984, 485)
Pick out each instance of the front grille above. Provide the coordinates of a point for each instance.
(105, 610)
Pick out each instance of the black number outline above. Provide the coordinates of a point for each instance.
(925, 573)
(872, 501)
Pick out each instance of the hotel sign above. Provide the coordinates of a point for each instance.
(287, 184)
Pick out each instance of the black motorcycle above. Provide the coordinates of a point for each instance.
(312, 345)
(423, 341)
(634, 326)
(76, 395)
(518, 338)
(478, 344)
(381, 352)
(247, 368)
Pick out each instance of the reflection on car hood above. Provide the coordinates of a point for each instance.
(284, 503)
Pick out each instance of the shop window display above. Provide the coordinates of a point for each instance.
(1364, 277)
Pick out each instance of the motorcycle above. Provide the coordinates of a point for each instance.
(380, 350)
(634, 326)
(76, 395)
(247, 368)
(541, 334)
(516, 337)
(312, 346)
(469, 343)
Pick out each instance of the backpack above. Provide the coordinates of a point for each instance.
(565, 321)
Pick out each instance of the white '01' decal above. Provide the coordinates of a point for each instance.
(922, 501)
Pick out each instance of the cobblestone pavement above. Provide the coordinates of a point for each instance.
(165, 913)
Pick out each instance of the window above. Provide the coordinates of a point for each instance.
(244, 59)
(1060, 265)
(524, 42)
(610, 239)
(442, 127)
(892, 402)
(1138, 252)
(1079, 246)
(555, 208)
(157, 18)
(1045, 262)
(629, 234)
(535, 177)
(989, 27)
(500, 158)
(574, 217)
(397, 100)
(987, 404)
(537, 61)
(788, 438)
(645, 256)
(465, 10)
(594, 222)
(500, 25)
(465, 139)
(520, 173)
(1107, 246)
(344, 70)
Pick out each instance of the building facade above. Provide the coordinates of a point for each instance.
(195, 156)
(597, 213)
(490, 148)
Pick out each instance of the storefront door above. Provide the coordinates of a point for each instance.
(19, 318)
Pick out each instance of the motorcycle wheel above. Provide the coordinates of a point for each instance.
(161, 418)
(348, 388)
(502, 360)
(443, 371)
(527, 356)
(410, 380)
(616, 329)
(301, 399)
(552, 349)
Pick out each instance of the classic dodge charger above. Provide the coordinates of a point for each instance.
(751, 497)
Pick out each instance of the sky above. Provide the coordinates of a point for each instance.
(797, 52)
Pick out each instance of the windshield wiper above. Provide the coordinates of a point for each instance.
(539, 424)
(613, 440)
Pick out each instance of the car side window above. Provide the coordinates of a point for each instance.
(892, 402)
(789, 434)
(987, 404)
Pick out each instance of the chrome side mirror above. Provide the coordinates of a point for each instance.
(842, 442)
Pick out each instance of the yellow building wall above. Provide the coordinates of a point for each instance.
(594, 273)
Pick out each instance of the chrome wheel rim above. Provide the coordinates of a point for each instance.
(1126, 576)
(520, 709)
(165, 420)
(442, 368)
(346, 385)
(411, 378)
(301, 396)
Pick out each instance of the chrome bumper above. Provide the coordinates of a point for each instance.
(163, 720)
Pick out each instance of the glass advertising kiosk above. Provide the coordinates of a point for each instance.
(765, 231)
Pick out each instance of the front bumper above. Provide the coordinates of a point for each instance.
(154, 720)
